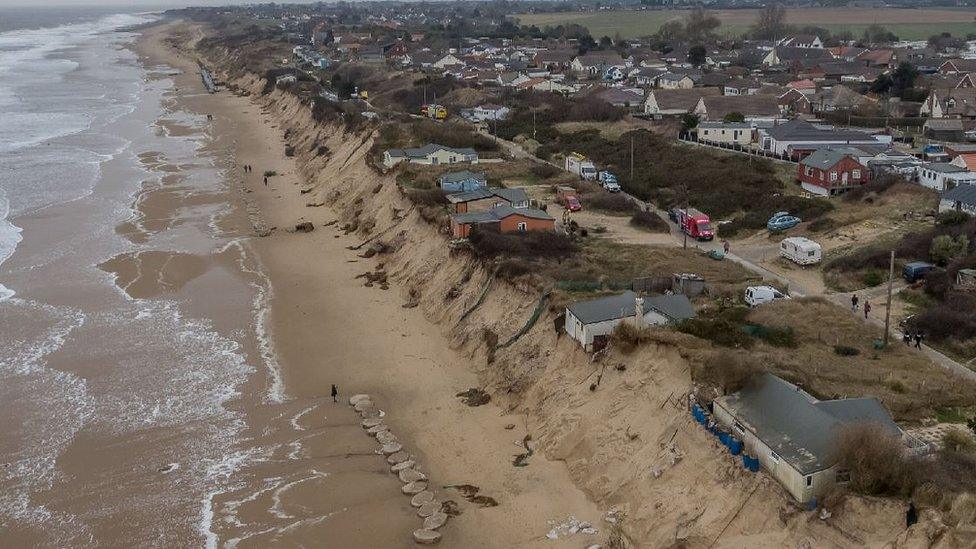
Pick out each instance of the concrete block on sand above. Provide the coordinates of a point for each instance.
(414, 488)
(398, 457)
(422, 498)
(402, 465)
(370, 413)
(363, 405)
(426, 537)
(377, 428)
(356, 399)
(386, 437)
(371, 422)
(411, 475)
(429, 509)
(435, 521)
(391, 448)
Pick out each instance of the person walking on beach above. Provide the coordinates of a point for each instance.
(854, 303)
(911, 516)
(918, 340)
(335, 393)
(907, 338)
(265, 181)
(867, 309)
(727, 247)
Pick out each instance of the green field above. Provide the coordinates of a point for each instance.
(907, 24)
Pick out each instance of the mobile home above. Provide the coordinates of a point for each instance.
(800, 250)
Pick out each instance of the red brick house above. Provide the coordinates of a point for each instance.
(504, 219)
(829, 172)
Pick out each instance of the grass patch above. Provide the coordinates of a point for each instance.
(649, 221)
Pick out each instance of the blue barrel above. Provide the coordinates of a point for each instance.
(747, 461)
(724, 437)
(735, 446)
(755, 464)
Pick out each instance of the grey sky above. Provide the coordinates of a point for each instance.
(134, 4)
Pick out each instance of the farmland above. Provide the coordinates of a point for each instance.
(907, 24)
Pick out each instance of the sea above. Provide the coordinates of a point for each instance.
(122, 410)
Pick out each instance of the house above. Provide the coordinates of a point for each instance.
(961, 198)
(742, 86)
(660, 103)
(793, 435)
(829, 172)
(806, 41)
(752, 107)
(489, 111)
(431, 154)
(725, 133)
(793, 101)
(789, 56)
(462, 181)
(483, 199)
(954, 103)
(957, 66)
(504, 219)
(446, 61)
(554, 59)
(944, 129)
(620, 97)
(593, 321)
(675, 81)
(840, 98)
(647, 76)
(596, 62)
(798, 138)
(943, 176)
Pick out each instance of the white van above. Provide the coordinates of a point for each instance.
(757, 295)
(800, 250)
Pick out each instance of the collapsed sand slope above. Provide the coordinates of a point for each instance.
(630, 444)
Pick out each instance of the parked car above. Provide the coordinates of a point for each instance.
(781, 221)
(673, 214)
(757, 295)
(609, 181)
(916, 270)
(566, 196)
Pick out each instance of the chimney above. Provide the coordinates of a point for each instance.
(639, 312)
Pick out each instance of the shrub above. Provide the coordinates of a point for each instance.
(872, 278)
(729, 372)
(876, 185)
(822, 225)
(717, 330)
(488, 243)
(427, 197)
(649, 221)
(945, 248)
(611, 202)
(451, 135)
(777, 336)
(941, 323)
(876, 460)
(956, 440)
(270, 173)
(953, 217)
(844, 350)
(544, 171)
(628, 337)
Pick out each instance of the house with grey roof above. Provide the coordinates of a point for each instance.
(594, 320)
(725, 133)
(502, 219)
(462, 181)
(487, 198)
(799, 138)
(431, 154)
(943, 176)
(961, 198)
(794, 435)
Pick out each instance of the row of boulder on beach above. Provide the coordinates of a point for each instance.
(405, 467)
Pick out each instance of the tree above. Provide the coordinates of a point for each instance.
(877, 34)
(689, 121)
(734, 117)
(700, 26)
(771, 23)
(671, 31)
(903, 78)
(944, 248)
(606, 43)
(945, 41)
(697, 55)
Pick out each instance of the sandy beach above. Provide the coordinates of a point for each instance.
(328, 328)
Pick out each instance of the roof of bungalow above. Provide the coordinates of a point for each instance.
(682, 99)
(463, 175)
(496, 214)
(801, 130)
(826, 158)
(722, 125)
(748, 105)
(512, 196)
(944, 167)
(675, 307)
(427, 150)
(798, 427)
(961, 193)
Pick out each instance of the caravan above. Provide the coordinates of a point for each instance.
(800, 250)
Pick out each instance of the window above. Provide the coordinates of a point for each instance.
(833, 176)
(773, 456)
(856, 174)
(843, 476)
(808, 171)
(809, 481)
(522, 227)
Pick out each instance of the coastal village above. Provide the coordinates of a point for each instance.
(791, 213)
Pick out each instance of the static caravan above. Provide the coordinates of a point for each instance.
(800, 250)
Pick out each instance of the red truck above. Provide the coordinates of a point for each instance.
(695, 224)
(567, 197)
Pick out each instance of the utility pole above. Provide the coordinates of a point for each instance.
(681, 222)
(631, 159)
(891, 277)
(533, 124)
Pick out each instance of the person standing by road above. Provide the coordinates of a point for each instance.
(867, 309)
(726, 247)
(854, 303)
(918, 340)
